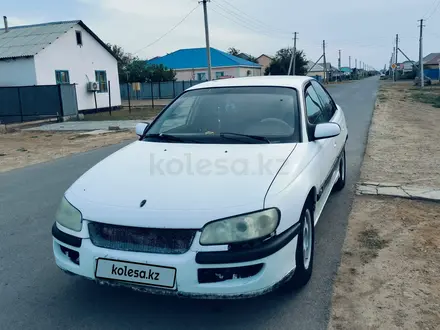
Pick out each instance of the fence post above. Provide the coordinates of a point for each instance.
(96, 103)
(109, 98)
(60, 118)
(183, 85)
(20, 104)
(129, 97)
(152, 96)
(174, 88)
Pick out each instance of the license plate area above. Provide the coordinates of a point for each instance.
(138, 273)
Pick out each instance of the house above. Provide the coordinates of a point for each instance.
(407, 66)
(431, 66)
(264, 60)
(192, 64)
(346, 71)
(315, 70)
(60, 53)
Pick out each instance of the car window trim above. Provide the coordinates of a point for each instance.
(335, 108)
(309, 84)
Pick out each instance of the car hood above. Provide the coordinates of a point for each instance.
(184, 185)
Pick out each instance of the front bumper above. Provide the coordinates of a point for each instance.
(277, 257)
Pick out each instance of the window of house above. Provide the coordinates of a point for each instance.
(313, 107)
(328, 105)
(62, 77)
(101, 79)
(79, 41)
(219, 74)
(201, 76)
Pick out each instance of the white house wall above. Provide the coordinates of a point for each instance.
(191, 74)
(18, 72)
(81, 62)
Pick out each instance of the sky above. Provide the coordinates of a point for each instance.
(364, 30)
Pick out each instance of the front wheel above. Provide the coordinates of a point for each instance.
(305, 249)
(340, 184)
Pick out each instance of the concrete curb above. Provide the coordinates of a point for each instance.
(398, 190)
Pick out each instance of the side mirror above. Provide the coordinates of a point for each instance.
(140, 128)
(326, 131)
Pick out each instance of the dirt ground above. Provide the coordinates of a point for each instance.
(403, 143)
(20, 149)
(389, 272)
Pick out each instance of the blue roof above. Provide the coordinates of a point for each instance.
(193, 58)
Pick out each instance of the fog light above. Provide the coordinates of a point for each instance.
(213, 275)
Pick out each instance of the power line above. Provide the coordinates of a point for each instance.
(436, 6)
(168, 32)
(266, 26)
(243, 21)
(239, 22)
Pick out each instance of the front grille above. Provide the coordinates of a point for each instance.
(148, 240)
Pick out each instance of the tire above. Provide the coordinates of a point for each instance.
(304, 255)
(340, 184)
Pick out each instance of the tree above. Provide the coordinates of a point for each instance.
(133, 69)
(281, 62)
(247, 57)
(233, 51)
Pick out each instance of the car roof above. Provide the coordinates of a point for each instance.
(296, 82)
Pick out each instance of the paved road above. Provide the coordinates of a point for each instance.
(34, 294)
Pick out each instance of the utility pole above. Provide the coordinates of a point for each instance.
(349, 62)
(339, 60)
(325, 62)
(208, 47)
(396, 59)
(293, 57)
(422, 78)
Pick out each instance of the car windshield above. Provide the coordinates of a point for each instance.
(230, 115)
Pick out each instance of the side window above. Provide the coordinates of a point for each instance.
(101, 79)
(62, 77)
(329, 107)
(313, 107)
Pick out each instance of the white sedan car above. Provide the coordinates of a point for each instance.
(218, 198)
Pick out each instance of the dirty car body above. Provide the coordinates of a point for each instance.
(218, 198)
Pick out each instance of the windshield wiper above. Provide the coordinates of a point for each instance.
(169, 137)
(166, 137)
(254, 137)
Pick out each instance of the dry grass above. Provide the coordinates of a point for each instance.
(20, 149)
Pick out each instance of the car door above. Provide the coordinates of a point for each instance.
(334, 115)
(323, 148)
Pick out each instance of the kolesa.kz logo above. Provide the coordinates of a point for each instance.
(124, 271)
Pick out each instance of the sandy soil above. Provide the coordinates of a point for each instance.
(21, 149)
(403, 143)
(389, 272)
(389, 275)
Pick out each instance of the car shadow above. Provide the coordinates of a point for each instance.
(118, 307)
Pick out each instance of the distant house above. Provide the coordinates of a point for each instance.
(59, 53)
(346, 71)
(431, 65)
(192, 64)
(264, 60)
(318, 70)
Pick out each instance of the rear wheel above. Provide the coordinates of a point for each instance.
(305, 249)
(340, 184)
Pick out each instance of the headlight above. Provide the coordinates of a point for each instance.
(68, 216)
(241, 228)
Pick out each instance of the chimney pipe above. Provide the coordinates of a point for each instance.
(5, 20)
